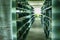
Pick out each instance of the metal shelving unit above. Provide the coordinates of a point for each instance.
(24, 13)
(46, 17)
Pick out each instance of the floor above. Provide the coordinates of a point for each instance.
(36, 32)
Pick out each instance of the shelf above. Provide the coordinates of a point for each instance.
(22, 34)
(18, 8)
(25, 32)
(24, 25)
(48, 8)
(25, 6)
(23, 18)
(22, 10)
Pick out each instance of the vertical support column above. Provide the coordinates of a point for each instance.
(5, 20)
(14, 26)
(56, 19)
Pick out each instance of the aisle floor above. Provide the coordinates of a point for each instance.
(36, 32)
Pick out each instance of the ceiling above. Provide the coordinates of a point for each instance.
(36, 4)
(35, 0)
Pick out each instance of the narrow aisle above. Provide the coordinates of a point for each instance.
(36, 32)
